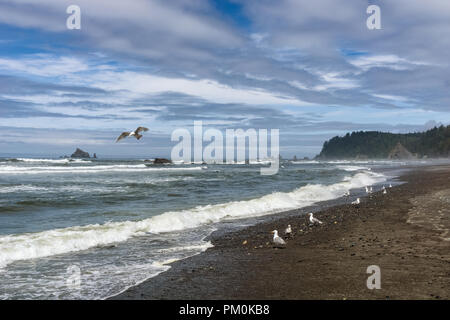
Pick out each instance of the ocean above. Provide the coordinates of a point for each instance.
(90, 229)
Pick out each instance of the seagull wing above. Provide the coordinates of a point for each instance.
(123, 135)
(139, 129)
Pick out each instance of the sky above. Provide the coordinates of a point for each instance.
(311, 69)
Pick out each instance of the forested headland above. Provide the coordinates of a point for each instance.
(434, 143)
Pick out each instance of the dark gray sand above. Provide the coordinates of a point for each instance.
(404, 232)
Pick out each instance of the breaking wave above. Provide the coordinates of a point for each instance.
(77, 238)
(89, 169)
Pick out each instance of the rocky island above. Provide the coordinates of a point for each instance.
(158, 161)
(80, 154)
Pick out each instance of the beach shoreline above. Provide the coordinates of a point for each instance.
(327, 261)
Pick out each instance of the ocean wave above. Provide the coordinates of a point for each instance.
(350, 162)
(77, 238)
(201, 247)
(53, 160)
(90, 169)
(125, 185)
(353, 168)
(61, 189)
(304, 161)
(21, 188)
(250, 162)
(182, 252)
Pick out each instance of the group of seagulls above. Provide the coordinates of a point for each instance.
(369, 190)
(278, 241)
(383, 189)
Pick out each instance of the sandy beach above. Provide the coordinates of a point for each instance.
(403, 232)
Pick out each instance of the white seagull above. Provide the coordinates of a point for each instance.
(347, 194)
(277, 239)
(134, 133)
(384, 191)
(357, 201)
(288, 230)
(313, 220)
(367, 189)
(390, 185)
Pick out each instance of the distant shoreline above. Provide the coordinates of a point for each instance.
(327, 262)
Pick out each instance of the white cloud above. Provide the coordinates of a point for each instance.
(334, 80)
(127, 86)
(392, 97)
(210, 90)
(384, 61)
(43, 65)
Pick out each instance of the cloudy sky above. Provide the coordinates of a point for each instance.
(309, 68)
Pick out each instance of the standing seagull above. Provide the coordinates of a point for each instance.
(313, 220)
(277, 239)
(288, 231)
(357, 201)
(384, 191)
(134, 133)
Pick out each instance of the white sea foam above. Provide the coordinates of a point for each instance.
(21, 188)
(353, 168)
(77, 238)
(100, 189)
(200, 247)
(54, 160)
(351, 162)
(90, 169)
(304, 162)
(161, 266)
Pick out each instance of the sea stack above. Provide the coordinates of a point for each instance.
(80, 154)
(161, 161)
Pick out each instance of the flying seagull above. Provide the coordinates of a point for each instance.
(313, 220)
(277, 239)
(134, 133)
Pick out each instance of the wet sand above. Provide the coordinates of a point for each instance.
(404, 232)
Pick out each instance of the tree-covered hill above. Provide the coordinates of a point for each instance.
(373, 144)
